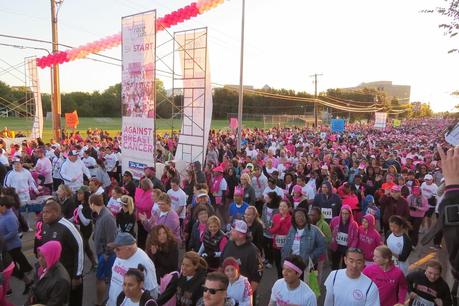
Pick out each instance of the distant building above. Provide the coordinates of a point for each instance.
(400, 92)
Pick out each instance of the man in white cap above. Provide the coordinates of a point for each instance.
(21, 180)
(128, 255)
(245, 252)
(429, 190)
(73, 171)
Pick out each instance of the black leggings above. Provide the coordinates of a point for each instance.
(414, 232)
(22, 266)
(141, 235)
(268, 249)
(337, 259)
(277, 261)
(87, 249)
(76, 296)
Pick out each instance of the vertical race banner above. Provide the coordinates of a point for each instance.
(138, 91)
(34, 84)
(380, 120)
(197, 106)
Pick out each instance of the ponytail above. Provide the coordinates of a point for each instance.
(197, 260)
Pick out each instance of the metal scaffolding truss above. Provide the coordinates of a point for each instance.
(189, 90)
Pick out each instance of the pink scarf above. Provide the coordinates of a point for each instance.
(202, 229)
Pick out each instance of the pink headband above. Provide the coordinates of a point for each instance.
(289, 265)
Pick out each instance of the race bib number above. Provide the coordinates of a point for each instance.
(419, 301)
(371, 211)
(280, 241)
(341, 239)
(327, 212)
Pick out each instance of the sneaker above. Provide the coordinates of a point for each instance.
(9, 292)
(268, 265)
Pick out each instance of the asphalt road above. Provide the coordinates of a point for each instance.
(264, 291)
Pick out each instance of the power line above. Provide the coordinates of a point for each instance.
(49, 42)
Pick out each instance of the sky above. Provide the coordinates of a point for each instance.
(349, 42)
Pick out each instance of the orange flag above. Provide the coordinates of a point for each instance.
(71, 119)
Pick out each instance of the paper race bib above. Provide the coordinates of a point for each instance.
(371, 211)
(341, 239)
(419, 301)
(327, 212)
(280, 241)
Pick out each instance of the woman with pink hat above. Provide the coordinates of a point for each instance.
(238, 206)
(418, 207)
(299, 198)
(218, 184)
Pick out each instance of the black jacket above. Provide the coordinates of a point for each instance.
(256, 234)
(66, 233)
(419, 284)
(166, 262)
(53, 289)
(130, 188)
(249, 256)
(187, 292)
(126, 222)
(249, 195)
(68, 207)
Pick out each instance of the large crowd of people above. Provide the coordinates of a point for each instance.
(337, 215)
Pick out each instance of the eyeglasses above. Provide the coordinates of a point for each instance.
(212, 290)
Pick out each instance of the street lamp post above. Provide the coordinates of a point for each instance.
(241, 86)
(56, 95)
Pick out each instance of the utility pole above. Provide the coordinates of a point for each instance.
(56, 93)
(241, 86)
(315, 75)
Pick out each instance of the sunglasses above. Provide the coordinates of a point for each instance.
(354, 250)
(212, 290)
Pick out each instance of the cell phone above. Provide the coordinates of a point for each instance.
(452, 134)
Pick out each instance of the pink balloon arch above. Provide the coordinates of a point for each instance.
(192, 10)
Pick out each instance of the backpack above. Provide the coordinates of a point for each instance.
(164, 283)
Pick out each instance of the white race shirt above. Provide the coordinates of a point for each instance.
(110, 162)
(45, 168)
(308, 192)
(120, 267)
(348, 291)
(22, 181)
(429, 191)
(395, 244)
(296, 242)
(301, 296)
(178, 199)
(72, 173)
(4, 160)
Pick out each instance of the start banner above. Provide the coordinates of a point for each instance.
(138, 92)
